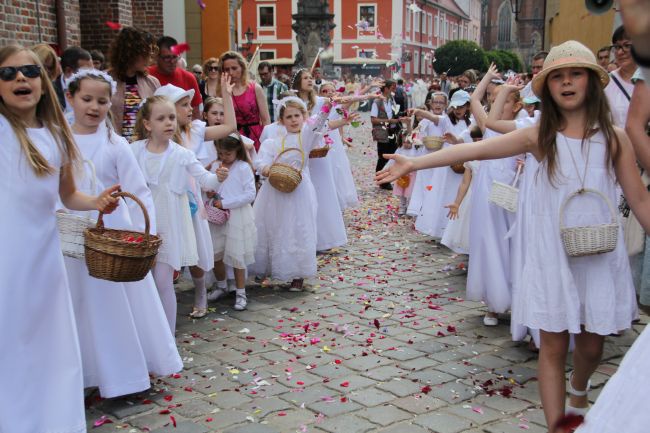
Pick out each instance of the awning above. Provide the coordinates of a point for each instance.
(280, 61)
(361, 61)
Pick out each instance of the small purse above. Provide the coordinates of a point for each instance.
(215, 215)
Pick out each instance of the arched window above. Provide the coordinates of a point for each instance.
(505, 22)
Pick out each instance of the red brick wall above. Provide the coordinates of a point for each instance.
(95, 34)
(148, 15)
(19, 23)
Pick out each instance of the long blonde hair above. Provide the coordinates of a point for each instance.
(233, 55)
(140, 132)
(48, 111)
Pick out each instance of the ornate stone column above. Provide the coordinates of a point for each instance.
(312, 25)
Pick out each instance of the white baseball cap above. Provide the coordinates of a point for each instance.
(459, 98)
(174, 93)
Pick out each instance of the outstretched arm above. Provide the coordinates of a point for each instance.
(494, 121)
(229, 124)
(517, 142)
(460, 195)
(638, 117)
(628, 177)
(476, 106)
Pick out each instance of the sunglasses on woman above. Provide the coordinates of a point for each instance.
(8, 73)
(213, 68)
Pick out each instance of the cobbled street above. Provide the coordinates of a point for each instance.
(382, 341)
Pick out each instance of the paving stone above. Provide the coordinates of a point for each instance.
(419, 404)
(514, 426)
(441, 422)
(519, 373)
(459, 369)
(194, 408)
(310, 394)
(479, 415)
(253, 428)
(228, 399)
(123, 408)
(182, 426)
(402, 354)
(334, 408)
(353, 382)
(453, 392)
(347, 423)
(384, 414)
(365, 363)
(371, 397)
(431, 377)
(401, 387)
(490, 362)
(290, 420)
(517, 354)
(502, 404)
(403, 427)
(332, 370)
(152, 421)
(384, 373)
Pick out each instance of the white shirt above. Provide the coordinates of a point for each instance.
(388, 106)
(618, 102)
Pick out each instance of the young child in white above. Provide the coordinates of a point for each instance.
(578, 147)
(403, 187)
(42, 384)
(118, 342)
(193, 135)
(166, 166)
(286, 222)
(234, 242)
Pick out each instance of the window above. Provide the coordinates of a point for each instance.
(416, 22)
(416, 62)
(365, 54)
(408, 22)
(436, 30)
(425, 29)
(445, 31)
(505, 21)
(367, 13)
(430, 26)
(266, 16)
(267, 55)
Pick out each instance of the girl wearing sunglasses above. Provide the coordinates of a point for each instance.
(39, 338)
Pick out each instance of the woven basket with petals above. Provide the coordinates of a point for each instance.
(319, 152)
(284, 177)
(589, 240)
(121, 255)
(432, 142)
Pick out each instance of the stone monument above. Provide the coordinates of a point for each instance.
(312, 25)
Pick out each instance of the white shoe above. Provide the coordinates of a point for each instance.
(231, 286)
(240, 302)
(572, 391)
(490, 321)
(217, 293)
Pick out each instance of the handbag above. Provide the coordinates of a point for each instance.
(380, 132)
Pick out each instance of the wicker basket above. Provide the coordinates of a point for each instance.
(215, 215)
(458, 168)
(284, 177)
(433, 143)
(589, 240)
(319, 152)
(504, 195)
(112, 256)
(72, 226)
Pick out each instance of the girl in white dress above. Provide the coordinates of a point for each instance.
(330, 226)
(234, 241)
(456, 235)
(166, 166)
(42, 385)
(444, 182)
(286, 222)
(435, 125)
(114, 320)
(193, 135)
(346, 189)
(577, 147)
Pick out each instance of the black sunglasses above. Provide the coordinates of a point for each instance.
(213, 68)
(8, 73)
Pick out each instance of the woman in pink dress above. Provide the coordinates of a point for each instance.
(251, 109)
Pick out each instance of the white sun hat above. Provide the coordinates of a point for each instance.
(174, 93)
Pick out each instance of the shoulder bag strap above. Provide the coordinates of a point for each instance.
(620, 86)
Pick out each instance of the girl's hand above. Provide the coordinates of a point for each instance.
(265, 171)
(106, 202)
(520, 163)
(226, 85)
(451, 138)
(222, 173)
(512, 87)
(402, 166)
(352, 117)
(377, 82)
(217, 204)
(453, 210)
(492, 72)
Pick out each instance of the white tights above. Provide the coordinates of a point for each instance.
(163, 275)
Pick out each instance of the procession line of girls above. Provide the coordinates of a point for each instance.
(576, 147)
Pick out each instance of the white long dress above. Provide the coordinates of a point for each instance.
(42, 385)
(166, 175)
(346, 189)
(330, 226)
(594, 291)
(444, 182)
(456, 235)
(488, 277)
(108, 313)
(422, 180)
(286, 222)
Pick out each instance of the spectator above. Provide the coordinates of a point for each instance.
(72, 59)
(535, 67)
(249, 98)
(129, 55)
(400, 97)
(467, 79)
(99, 61)
(445, 84)
(603, 56)
(620, 87)
(166, 70)
(385, 126)
(318, 78)
(272, 87)
(197, 70)
(210, 82)
(50, 62)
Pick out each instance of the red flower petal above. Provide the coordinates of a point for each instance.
(569, 422)
(171, 417)
(426, 389)
(165, 412)
(345, 384)
(376, 322)
(113, 25)
(180, 48)
(168, 397)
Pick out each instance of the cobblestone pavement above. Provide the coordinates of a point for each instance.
(382, 341)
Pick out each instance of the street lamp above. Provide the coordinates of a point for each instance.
(249, 40)
(516, 7)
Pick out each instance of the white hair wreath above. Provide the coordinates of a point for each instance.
(89, 72)
(283, 102)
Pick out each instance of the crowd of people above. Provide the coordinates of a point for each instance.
(212, 155)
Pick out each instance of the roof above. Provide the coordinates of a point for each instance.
(451, 6)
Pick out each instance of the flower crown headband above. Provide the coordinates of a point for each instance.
(283, 102)
(295, 75)
(89, 72)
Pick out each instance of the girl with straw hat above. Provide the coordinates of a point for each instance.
(582, 156)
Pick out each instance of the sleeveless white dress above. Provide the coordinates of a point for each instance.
(42, 383)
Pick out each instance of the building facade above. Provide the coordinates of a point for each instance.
(370, 37)
(520, 30)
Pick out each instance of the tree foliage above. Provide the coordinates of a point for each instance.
(458, 56)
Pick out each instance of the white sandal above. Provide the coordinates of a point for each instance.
(574, 392)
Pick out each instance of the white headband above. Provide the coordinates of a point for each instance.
(89, 72)
(283, 102)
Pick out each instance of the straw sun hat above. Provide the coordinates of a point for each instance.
(570, 54)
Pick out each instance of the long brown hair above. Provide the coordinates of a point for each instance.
(231, 143)
(48, 111)
(295, 85)
(125, 49)
(598, 117)
(75, 86)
